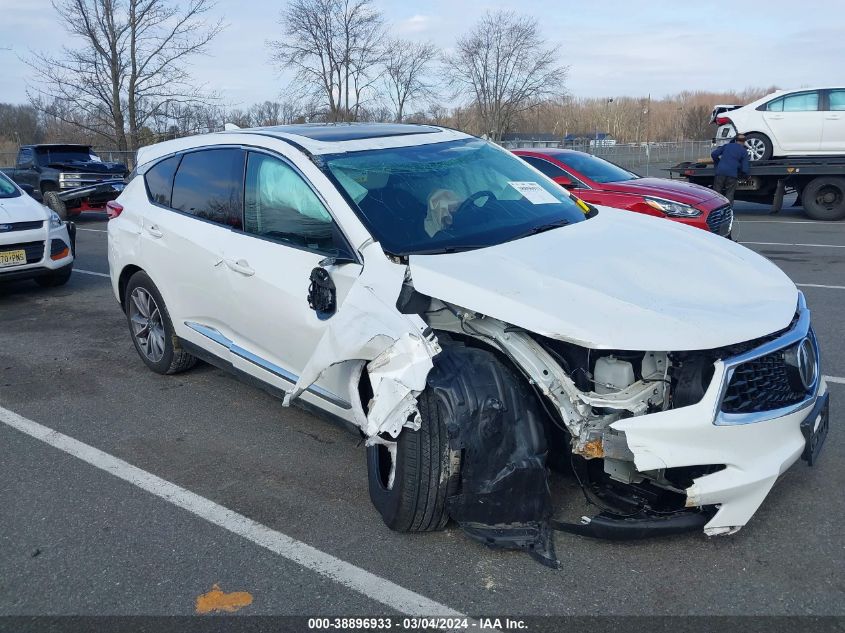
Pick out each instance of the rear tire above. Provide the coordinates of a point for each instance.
(58, 278)
(54, 203)
(824, 199)
(758, 146)
(151, 328)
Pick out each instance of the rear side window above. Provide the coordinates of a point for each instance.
(803, 102)
(159, 179)
(209, 185)
(26, 156)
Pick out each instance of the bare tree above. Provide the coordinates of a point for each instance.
(334, 47)
(505, 66)
(131, 65)
(407, 68)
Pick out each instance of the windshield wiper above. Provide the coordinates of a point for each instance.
(542, 228)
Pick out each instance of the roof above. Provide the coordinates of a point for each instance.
(338, 132)
(313, 138)
(49, 145)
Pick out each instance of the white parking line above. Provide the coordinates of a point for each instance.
(90, 272)
(79, 228)
(821, 286)
(836, 379)
(789, 244)
(347, 574)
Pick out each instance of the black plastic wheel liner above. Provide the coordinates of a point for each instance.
(498, 425)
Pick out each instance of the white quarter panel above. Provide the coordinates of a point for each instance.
(620, 280)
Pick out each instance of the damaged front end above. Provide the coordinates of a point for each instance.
(662, 442)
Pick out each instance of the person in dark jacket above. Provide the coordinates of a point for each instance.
(731, 162)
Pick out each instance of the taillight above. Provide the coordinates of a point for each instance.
(113, 209)
(723, 120)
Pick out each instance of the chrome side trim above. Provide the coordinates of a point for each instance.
(280, 372)
(801, 330)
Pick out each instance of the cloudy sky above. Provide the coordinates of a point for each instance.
(613, 47)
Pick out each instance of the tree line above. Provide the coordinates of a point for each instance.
(126, 81)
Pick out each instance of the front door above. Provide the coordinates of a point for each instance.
(287, 233)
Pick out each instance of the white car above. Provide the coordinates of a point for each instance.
(474, 323)
(35, 243)
(806, 122)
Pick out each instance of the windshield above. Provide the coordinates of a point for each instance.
(50, 155)
(7, 188)
(450, 196)
(595, 168)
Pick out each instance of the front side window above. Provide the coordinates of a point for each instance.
(550, 170)
(836, 99)
(25, 157)
(595, 168)
(159, 179)
(279, 205)
(209, 185)
(450, 196)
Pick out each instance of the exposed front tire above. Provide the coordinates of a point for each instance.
(151, 328)
(55, 203)
(824, 199)
(758, 146)
(411, 478)
(57, 278)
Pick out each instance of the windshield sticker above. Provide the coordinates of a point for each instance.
(534, 193)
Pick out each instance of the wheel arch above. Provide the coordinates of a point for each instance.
(123, 281)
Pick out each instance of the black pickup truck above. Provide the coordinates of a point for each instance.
(68, 178)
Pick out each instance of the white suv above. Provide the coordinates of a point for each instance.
(806, 122)
(475, 324)
(35, 243)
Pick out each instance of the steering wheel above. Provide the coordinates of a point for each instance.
(477, 195)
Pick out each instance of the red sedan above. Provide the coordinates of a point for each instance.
(597, 181)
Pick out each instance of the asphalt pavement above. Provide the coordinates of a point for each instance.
(78, 539)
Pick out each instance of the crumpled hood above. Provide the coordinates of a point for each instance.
(89, 167)
(21, 209)
(679, 190)
(620, 280)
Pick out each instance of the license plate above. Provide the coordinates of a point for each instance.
(12, 258)
(815, 428)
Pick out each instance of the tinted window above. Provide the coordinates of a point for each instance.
(552, 171)
(595, 168)
(805, 102)
(775, 106)
(281, 206)
(65, 154)
(25, 156)
(837, 100)
(159, 180)
(7, 189)
(209, 185)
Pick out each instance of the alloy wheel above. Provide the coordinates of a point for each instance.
(147, 326)
(756, 148)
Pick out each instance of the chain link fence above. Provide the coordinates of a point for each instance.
(651, 159)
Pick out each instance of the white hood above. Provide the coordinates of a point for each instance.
(21, 209)
(620, 280)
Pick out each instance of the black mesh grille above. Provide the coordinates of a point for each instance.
(34, 250)
(759, 385)
(20, 226)
(719, 220)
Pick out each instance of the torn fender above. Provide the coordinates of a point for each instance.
(367, 326)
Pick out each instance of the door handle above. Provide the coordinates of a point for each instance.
(154, 231)
(833, 117)
(241, 266)
(776, 116)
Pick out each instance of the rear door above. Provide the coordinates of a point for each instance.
(287, 233)
(796, 121)
(833, 134)
(183, 237)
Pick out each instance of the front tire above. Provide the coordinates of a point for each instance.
(758, 146)
(55, 203)
(151, 328)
